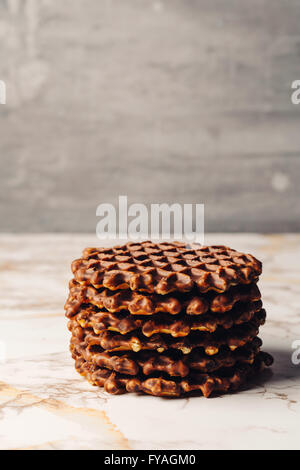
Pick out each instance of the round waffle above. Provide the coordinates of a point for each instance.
(222, 381)
(165, 267)
(234, 337)
(150, 304)
(166, 319)
(181, 325)
(173, 364)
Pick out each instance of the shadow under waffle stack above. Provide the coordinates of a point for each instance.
(166, 318)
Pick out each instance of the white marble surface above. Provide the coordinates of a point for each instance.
(45, 404)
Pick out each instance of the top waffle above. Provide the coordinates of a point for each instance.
(165, 267)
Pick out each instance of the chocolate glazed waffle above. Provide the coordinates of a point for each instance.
(181, 325)
(147, 304)
(225, 380)
(166, 319)
(171, 363)
(110, 341)
(165, 267)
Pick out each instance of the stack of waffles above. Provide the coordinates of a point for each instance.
(166, 319)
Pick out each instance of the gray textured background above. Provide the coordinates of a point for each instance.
(163, 101)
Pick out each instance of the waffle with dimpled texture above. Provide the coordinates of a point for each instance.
(179, 326)
(165, 267)
(110, 341)
(166, 318)
(222, 381)
(136, 303)
(179, 365)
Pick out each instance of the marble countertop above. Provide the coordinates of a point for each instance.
(45, 404)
